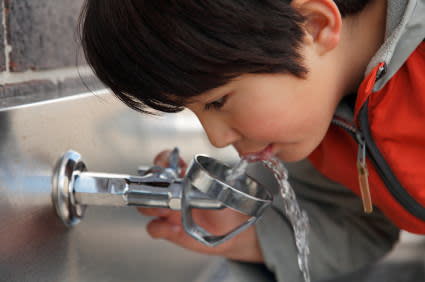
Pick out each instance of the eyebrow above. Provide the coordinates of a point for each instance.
(215, 94)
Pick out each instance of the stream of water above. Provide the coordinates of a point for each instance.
(297, 217)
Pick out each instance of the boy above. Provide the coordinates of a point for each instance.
(260, 75)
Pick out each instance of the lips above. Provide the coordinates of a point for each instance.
(262, 155)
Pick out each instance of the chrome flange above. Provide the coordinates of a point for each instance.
(62, 192)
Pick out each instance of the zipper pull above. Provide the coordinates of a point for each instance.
(363, 175)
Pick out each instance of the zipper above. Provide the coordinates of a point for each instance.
(384, 170)
(367, 147)
(362, 171)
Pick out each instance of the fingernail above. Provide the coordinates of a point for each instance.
(163, 212)
(176, 228)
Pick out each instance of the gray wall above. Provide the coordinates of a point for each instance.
(39, 55)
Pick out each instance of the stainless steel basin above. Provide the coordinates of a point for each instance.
(110, 244)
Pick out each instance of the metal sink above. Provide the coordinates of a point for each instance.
(110, 244)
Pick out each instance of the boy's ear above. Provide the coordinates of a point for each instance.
(322, 23)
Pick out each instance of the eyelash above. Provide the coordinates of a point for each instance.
(217, 104)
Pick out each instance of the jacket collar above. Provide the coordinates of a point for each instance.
(405, 30)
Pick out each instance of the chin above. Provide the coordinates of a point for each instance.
(290, 156)
(291, 159)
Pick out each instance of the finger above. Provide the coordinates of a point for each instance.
(173, 217)
(161, 228)
(244, 246)
(182, 239)
(162, 158)
(183, 167)
(162, 212)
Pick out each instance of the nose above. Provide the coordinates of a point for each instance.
(219, 131)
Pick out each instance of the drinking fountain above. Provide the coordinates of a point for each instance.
(204, 187)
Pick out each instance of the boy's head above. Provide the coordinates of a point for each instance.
(257, 58)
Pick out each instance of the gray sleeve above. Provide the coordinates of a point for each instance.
(342, 238)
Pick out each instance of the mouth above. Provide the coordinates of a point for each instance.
(262, 155)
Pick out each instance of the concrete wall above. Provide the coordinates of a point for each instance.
(39, 55)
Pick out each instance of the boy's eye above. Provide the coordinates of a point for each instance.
(217, 104)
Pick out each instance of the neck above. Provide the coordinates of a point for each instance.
(362, 35)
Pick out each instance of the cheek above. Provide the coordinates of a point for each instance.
(261, 125)
(288, 126)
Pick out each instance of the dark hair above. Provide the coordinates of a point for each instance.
(160, 53)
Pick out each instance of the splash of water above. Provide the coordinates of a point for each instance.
(237, 172)
(297, 217)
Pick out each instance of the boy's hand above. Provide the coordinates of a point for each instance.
(168, 226)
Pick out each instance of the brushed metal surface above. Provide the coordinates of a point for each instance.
(110, 244)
